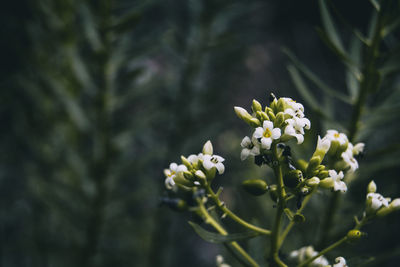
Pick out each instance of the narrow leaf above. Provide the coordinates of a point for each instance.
(218, 238)
(352, 81)
(330, 27)
(313, 78)
(302, 88)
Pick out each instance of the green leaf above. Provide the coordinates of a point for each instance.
(218, 238)
(352, 79)
(318, 82)
(330, 27)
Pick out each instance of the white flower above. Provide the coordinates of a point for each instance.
(348, 157)
(293, 104)
(249, 148)
(358, 148)
(338, 184)
(323, 144)
(305, 253)
(295, 127)
(294, 113)
(340, 262)
(170, 174)
(334, 135)
(220, 262)
(211, 161)
(267, 134)
(375, 201)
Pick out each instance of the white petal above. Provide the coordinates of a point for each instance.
(258, 132)
(208, 165)
(169, 183)
(220, 168)
(300, 138)
(255, 151)
(244, 154)
(218, 158)
(181, 168)
(276, 133)
(173, 166)
(266, 143)
(289, 130)
(268, 125)
(246, 142)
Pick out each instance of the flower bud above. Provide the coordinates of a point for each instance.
(186, 162)
(273, 192)
(188, 175)
(293, 178)
(326, 183)
(313, 181)
(353, 235)
(208, 148)
(181, 180)
(256, 106)
(323, 174)
(393, 206)
(256, 187)
(246, 117)
(279, 119)
(313, 164)
(302, 164)
(200, 175)
(371, 187)
(262, 116)
(254, 122)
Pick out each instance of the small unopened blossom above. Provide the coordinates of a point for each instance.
(171, 173)
(334, 135)
(295, 127)
(249, 148)
(308, 252)
(371, 187)
(323, 144)
(340, 262)
(358, 148)
(213, 161)
(267, 134)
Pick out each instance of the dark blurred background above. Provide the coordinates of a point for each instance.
(98, 97)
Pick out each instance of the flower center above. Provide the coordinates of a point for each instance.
(214, 160)
(267, 133)
(336, 135)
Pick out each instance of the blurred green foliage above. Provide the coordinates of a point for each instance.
(97, 97)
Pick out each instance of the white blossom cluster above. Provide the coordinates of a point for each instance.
(292, 126)
(194, 167)
(378, 204)
(308, 252)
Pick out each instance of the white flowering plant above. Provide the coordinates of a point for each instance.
(296, 180)
(277, 140)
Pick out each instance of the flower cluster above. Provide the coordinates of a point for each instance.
(308, 252)
(194, 170)
(378, 204)
(343, 150)
(281, 121)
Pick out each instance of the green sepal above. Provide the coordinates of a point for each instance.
(256, 106)
(218, 238)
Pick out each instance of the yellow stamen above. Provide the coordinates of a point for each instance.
(267, 133)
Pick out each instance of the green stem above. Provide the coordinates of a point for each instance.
(274, 254)
(232, 215)
(324, 251)
(292, 223)
(210, 220)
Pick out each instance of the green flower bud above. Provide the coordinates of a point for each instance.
(256, 187)
(323, 174)
(333, 148)
(181, 180)
(326, 183)
(313, 181)
(254, 122)
(280, 105)
(273, 192)
(188, 175)
(371, 187)
(302, 165)
(256, 106)
(313, 164)
(208, 148)
(354, 235)
(262, 116)
(279, 120)
(271, 115)
(200, 175)
(293, 178)
(186, 162)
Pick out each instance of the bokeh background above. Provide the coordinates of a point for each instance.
(98, 97)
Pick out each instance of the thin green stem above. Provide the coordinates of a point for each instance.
(232, 215)
(324, 251)
(210, 220)
(274, 254)
(292, 223)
